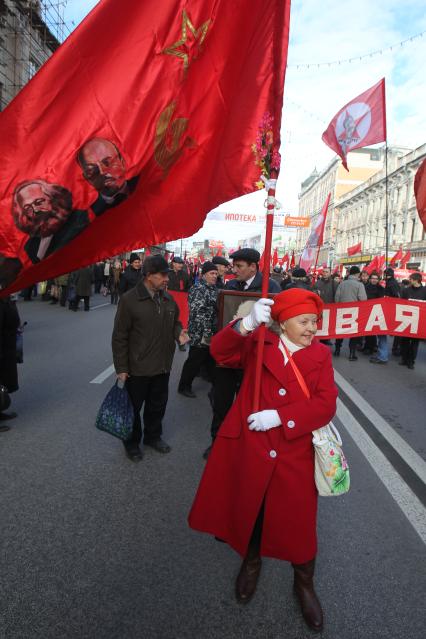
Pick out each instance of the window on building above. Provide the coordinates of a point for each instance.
(33, 67)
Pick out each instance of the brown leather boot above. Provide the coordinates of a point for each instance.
(245, 586)
(304, 589)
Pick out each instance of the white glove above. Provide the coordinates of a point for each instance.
(264, 420)
(259, 314)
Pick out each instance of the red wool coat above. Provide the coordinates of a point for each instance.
(246, 467)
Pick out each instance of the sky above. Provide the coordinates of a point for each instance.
(322, 32)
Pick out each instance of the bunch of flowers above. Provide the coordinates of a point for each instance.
(267, 157)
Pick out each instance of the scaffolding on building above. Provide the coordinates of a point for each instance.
(30, 31)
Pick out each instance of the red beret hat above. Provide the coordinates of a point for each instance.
(295, 301)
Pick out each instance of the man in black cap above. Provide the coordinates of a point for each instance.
(146, 329)
(178, 277)
(299, 279)
(178, 281)
(131, 275)
(222, 264)
(227, 380)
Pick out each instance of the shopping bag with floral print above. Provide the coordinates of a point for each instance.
(331, 468)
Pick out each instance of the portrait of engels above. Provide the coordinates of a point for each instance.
(104, 168)
(44, 212)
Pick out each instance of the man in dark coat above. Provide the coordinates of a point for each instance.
(178, 281)
(227, 381)
(98, 275)
(374, 291)
(178, 277)
(392, 289)
(83, 280)
(410, 345)
(131, 274)
(9, 324)
(299, 279)
(146, 329)
(326, 287)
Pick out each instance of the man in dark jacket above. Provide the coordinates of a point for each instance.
(227, 381)
(410, 345)
(178, 277)
(326, 287)
(98, 275)
(131, 275)
(146, 329)
(83, 279)
(299, 279)
(374, 290)
(392, 289)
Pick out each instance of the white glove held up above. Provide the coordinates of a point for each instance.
(259, 314)
(264, 420)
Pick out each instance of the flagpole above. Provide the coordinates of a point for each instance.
(265, 285)
(386, 206)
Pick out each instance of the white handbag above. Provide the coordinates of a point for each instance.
(331, 468)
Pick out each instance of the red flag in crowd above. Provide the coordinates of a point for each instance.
(361, 122)
(356, 248)
(293, 261)
(275, 261)
(284, 262)
(201, 258)
(219, 252)
(315, 239)
(420, 192)
(396, 258)
(405, 259)
(129, 134)
(372, 266)
(166, 255)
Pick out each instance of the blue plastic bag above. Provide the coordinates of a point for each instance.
(116, 414)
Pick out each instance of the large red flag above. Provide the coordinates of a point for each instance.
(140, 123)
(353, 250)
(420, 192)
(284, 262)
(361, 122)
(275, 261)
(292, 261)
(315, 238)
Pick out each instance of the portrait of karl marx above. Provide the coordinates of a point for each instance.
(44, 211)
(104, 168)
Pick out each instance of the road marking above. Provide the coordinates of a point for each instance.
(92, 308)
(410, 505)
(416, 463)
(104, 375)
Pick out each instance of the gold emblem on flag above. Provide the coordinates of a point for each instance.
(188, 47)
(168, 143)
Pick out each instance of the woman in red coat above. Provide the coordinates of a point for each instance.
(258, 492)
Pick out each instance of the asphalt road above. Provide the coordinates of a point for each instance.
(95, 547)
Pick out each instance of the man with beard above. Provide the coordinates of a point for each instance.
(104, 168)
(44, 211)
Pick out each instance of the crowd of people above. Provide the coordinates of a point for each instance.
(250, 495)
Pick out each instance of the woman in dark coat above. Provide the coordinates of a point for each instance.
(9, 324)
(258, 490)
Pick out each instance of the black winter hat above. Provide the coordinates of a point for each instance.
(220, 260)
(389, 271)
(208, 266)
(354, 270)
(298, 272)
(155, 264)
(178, 260)
(133, 257)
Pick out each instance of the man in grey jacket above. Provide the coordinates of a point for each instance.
(146, 330)
(350, 290)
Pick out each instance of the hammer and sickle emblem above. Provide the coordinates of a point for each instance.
(168, 143)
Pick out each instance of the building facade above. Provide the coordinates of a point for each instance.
(26, 42)
(334, 179)
(361, 215)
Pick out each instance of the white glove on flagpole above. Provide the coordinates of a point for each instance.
(259, 314)
(264, 420)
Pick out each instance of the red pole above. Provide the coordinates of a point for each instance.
(265, 285)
